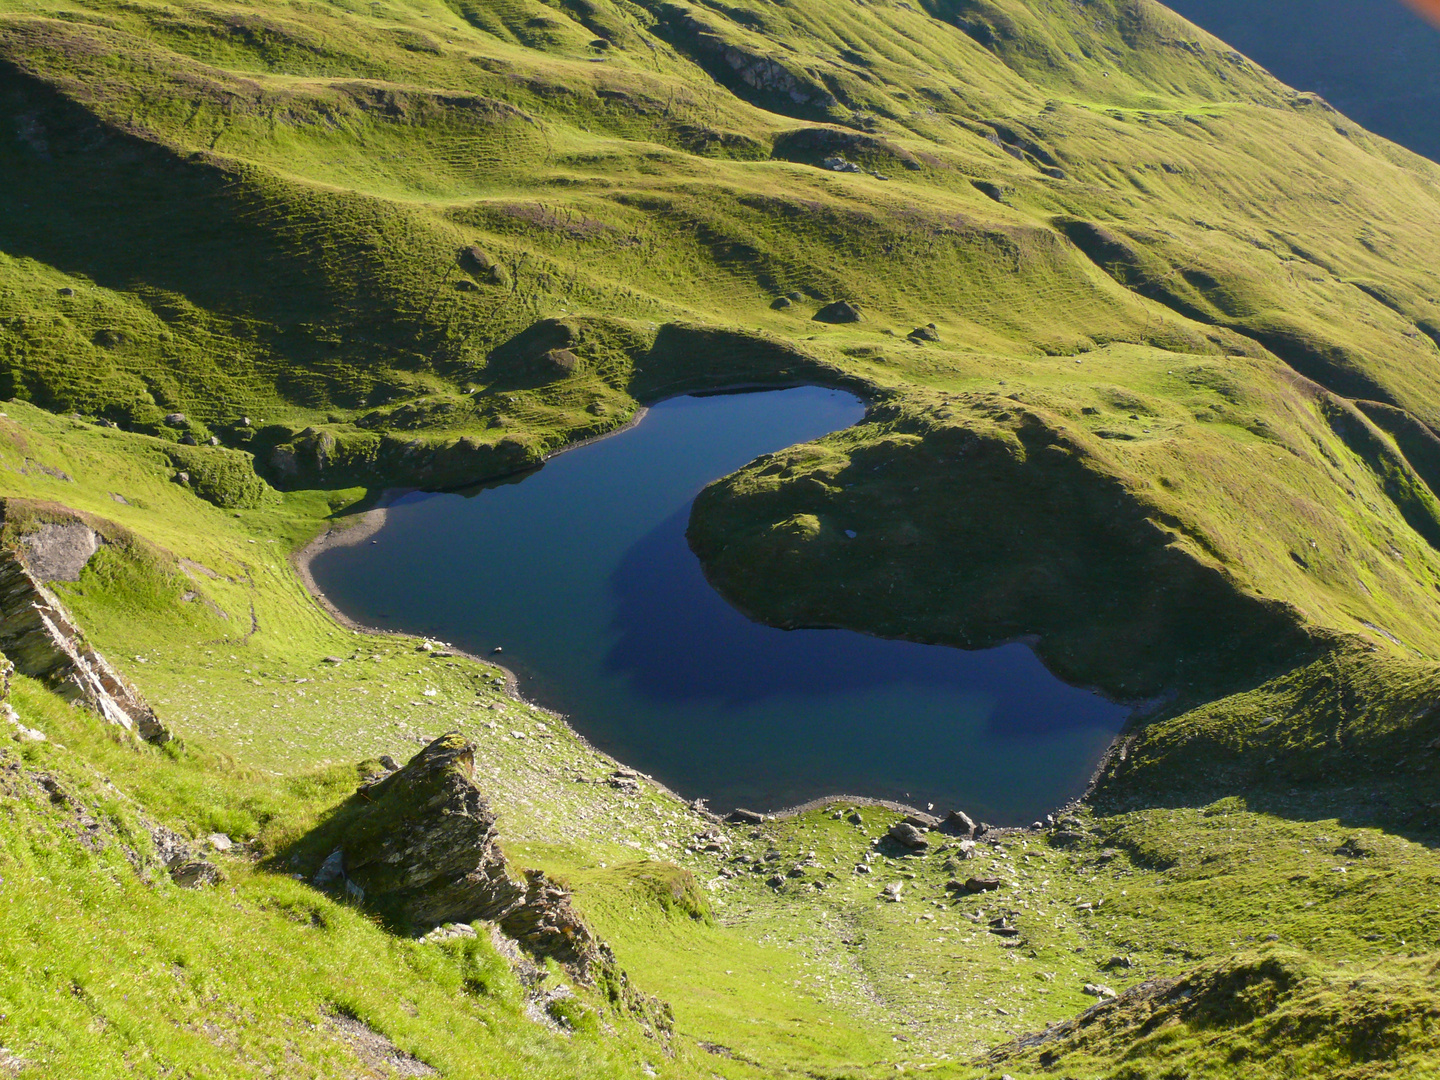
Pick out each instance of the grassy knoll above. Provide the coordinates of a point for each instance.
(1168, 409)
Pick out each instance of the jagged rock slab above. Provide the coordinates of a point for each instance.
(38, 635)
(420, 845)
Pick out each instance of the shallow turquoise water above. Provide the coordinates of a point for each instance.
(581, 572)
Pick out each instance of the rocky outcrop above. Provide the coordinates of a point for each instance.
(419, 846)
(425, 847)
(841, 311)
(41, 639)
(58, 551)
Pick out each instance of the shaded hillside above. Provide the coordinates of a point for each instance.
(1376, 61)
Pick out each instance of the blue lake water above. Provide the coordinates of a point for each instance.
(580, 570)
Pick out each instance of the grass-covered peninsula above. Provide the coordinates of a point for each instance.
(1152, 347)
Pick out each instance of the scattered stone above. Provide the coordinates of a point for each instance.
(980, 885)
(195, 874)
(67, 291)
(775, 881)
(780, 303)
(1118, 962)
(861, 868)
(836, 163)
(176, 419)
(388, 763)
(332, 660)
(625, 780)
(170, 846)
(924, 333)
(188, 440)
(214, 440)
(959, 823)
(740, 816)
(841, 311)
(183, 479)
(795, 295)
(1099, 991)
(902, 832)
(378, 1054)
(219, 841)
(892, 891)
(19, 732)
(449, 932)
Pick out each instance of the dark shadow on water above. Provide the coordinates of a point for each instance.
(680, 641)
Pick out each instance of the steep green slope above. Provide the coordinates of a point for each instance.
(1168, 409)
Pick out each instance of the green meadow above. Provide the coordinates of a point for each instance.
(1173, 416)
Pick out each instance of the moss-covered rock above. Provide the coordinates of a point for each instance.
(420, 844)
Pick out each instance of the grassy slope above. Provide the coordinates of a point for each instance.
(259, 208)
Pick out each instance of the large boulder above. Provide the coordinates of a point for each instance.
(419, 847)
(907, 835)
(841, 311)
(425, 847)
(959, 823)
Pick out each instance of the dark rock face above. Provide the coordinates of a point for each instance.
(420, 846)
(38, 635)
(841, 311)
(548, 925)
(426, 845)
(959, 823)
